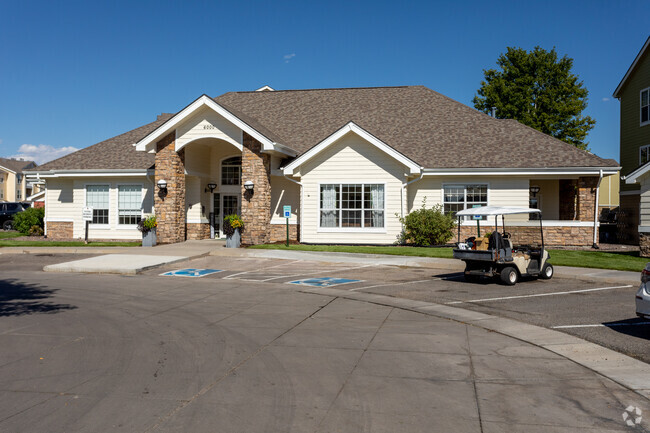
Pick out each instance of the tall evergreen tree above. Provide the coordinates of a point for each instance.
(539, 90)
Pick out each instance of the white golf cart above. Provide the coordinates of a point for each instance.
(495, 256)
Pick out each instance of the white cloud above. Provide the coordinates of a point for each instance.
(43, 152)
(288, 57)
(605, 99)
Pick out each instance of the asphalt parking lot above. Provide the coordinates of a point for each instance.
(601, 313)
(245, 350)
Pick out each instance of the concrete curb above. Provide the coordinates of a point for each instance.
(124, 264)
(622, 369)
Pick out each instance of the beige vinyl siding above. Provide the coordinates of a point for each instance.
(65, 199)
(609, 190)
(206, 123)
(505, 191)
(351, 160)
(194, 200)
(644, 205)
(283, 193)
(633, 136)
(10, 187)
(549, 197)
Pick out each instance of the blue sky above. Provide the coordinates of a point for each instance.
(75, 73)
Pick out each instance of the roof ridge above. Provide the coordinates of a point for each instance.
(324, 88)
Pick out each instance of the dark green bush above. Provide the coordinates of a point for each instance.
(425, 227)
(25, 220)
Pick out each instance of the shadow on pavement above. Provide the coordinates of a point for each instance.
(19, 299)
(635, 327)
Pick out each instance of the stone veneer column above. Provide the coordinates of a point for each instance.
(586, 198)
(255, 207)
(170, 209)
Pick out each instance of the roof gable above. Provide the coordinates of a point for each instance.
(630, 70)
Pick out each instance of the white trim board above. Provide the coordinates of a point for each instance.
(205, 101)
(351, 127)
(630, 69)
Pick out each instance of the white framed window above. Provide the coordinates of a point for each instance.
(644, 100)
(644, 154)
(97, 198)
(357, 205)
(461, 197)
(231, 171)
(19, 179)
(2, 178)
(129, 204)
(18, 195)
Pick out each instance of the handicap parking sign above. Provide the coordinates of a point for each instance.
(190, 272)
(324, 281)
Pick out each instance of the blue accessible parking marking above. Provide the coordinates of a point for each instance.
(324, 281)
(192, 273)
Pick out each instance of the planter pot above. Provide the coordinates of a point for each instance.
(233, 241)
(149, 238)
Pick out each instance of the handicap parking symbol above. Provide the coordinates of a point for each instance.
(323, 282)
(190, 272)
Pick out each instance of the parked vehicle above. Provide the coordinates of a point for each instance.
(643, 295)
(7, 212)
(496, 256)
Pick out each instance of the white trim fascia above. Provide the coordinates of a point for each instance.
(7, 169)
(635, 192)
(644, 229)
(266, 88)
(351, 127)
(35, 196)
(197, 221)
(60, 220)
(206, 101)
(92, 173)
(519, 171)
(630, 69)
(632, 177)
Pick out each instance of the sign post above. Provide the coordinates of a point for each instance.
(87, 216)
(287, 215)
(478, 225)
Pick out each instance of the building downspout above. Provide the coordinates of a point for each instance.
(301, 201)
(600, 178)
(402, 192)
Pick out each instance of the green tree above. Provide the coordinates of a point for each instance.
(539, 90)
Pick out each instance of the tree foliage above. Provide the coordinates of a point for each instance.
(539, 90)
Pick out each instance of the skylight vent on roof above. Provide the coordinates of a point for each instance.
(265, 89)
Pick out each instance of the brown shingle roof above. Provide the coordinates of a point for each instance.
(117, 153)
(427, 127)
(16, 165)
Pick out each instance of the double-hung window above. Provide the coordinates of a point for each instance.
(352, 206)
(645, 106)
(129, 204)
(97, 198)
(644, 154)
(460, 197)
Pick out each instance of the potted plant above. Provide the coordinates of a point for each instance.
(232, 225)
(148, 228)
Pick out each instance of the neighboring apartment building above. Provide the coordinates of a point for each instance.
(13, 185)
(634, 94)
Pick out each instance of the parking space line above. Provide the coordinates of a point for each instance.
(600, 325)
(393, 284)
(505, 298)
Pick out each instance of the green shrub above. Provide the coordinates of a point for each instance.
(36, 231)
(425, 227)
(25, 220)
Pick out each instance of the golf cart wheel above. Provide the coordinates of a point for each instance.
(8, 225)
(547, 272)
(509, 276)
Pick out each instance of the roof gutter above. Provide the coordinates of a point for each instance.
(593, 171)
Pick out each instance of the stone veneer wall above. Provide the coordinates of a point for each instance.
(170, 209)
(60, 230)
(256, 207)
(644, 244)
(197, 231)
(586, 198)
(553, 236)
(279, 233)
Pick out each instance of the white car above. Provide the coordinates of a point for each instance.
(643, 295)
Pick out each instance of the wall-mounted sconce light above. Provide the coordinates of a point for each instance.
(534, 190)
(248, 185)
(162, 188)
(211, 186)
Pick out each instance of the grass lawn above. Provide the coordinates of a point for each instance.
(7, 241)
(622, 261)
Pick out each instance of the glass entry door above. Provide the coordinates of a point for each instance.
(223, 204)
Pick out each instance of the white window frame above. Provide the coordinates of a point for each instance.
(18, 195)
(641, 122)
(647, 152)
(237, 185)
(94, 225)
(117, 199)
(361, 229)
(464, 185)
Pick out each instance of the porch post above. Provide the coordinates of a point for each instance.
(255, 205)
(170, 208)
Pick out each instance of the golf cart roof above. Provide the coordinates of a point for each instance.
(496, 210)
